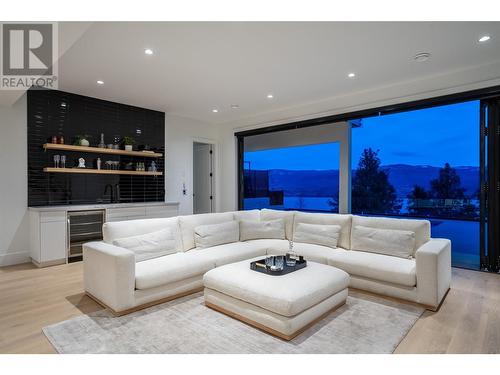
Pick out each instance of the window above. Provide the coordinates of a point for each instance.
(304, 178)
(422, 163)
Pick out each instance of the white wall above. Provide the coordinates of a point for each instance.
(14, 223)
(180, 133)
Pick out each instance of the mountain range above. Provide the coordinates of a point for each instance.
(318, 183)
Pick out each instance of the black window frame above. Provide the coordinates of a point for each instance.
(489, 96)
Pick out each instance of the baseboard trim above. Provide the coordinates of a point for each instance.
(49, 263)
(11, 259)
(144, 305)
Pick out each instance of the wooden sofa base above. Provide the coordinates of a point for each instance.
(267, 329)
(427, 307)
(255, 324)
(145, 305)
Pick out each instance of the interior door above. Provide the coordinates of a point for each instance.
(202, 178)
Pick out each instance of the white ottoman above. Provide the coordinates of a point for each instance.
(284, 305)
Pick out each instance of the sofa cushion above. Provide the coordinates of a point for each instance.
(170, 268)
(189, 222)
(344, 221)
(310, 252)
(267, 214)
(254, 230)
(121, 229)
(319, 234)
(250, 215)
(422, 228)
(230, 253)
(216, 234)
(149, 245)
(398, 243)
(375, 266)
(286, 295)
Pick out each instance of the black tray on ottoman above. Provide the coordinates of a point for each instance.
(260, 266)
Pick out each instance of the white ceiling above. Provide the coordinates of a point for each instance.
(200, 66)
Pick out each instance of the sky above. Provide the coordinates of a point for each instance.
(431, 136)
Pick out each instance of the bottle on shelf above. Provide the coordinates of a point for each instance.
(98, 163)
(101, 143)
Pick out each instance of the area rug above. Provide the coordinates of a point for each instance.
(365, 324)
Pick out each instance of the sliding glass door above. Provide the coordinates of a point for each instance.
(437, 159)
(304, 178)
(423, 163)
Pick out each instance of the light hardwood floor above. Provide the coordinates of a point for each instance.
(31, 298)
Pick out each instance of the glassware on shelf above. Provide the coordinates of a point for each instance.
(57, 159)
(116, 142)
(63, 161)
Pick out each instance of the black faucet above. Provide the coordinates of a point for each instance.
(117, 193)
(110, 192)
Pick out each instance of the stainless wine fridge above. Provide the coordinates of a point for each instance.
(83, 226)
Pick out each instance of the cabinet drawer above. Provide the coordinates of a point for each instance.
(160, 211)
(113, 213)
(50, 216)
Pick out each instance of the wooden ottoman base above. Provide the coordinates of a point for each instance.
(284, 327)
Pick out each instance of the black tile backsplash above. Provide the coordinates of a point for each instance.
(58, 113)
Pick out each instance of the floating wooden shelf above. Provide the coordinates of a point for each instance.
(100, 171)
(98, 150)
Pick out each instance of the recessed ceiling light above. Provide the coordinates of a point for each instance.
(215, 110)
(235, 106)
(99, 82)
(148, 51)
(421, 57)
(270, 96)
(63, 104)
(351, 75)
(484, 38)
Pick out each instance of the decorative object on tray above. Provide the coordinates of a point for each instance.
(276, 265)
(81, 163)
(291, 255)
(128, 142)
(81, 140)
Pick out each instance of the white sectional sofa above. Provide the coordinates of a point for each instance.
(392, 257)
